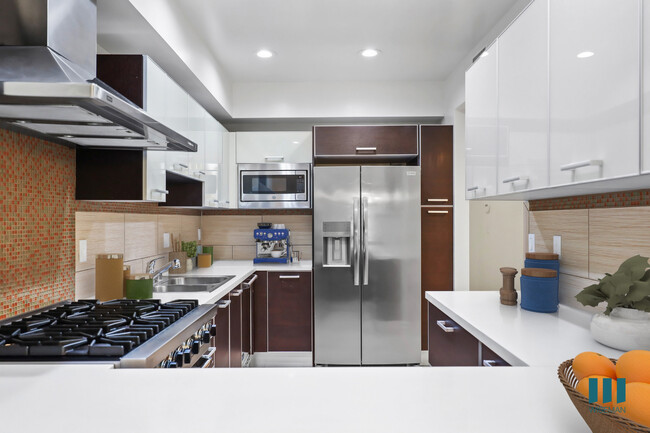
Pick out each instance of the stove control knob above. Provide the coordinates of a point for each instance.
(196, 345)
(187, 356)
(213, 330)
(206, 336)
(178, 358)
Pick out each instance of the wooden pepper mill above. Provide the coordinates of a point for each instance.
(508, 293)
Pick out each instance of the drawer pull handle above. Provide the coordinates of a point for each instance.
(472, 188)
(490, 363)
(247, 284)
(580, 164)
(438, 200)
(437, 211)
(274, 158)
(161, 191)
(224, 304)
(237, 292)
(289, 277)
(366, 149)
(516, 179)
(447, 328)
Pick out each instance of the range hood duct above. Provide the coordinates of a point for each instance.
(48, 84)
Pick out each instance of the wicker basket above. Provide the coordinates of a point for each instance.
(598, 422)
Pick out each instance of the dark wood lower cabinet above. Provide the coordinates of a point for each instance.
(452, 346)
(246, 320)
(222, 339)
(437, 256)
(260, 313)
(289, 311)
(235, 328)
(491, 359)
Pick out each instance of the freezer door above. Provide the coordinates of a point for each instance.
(390, 309)
(337, 293)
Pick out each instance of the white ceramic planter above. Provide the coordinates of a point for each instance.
(624, 329)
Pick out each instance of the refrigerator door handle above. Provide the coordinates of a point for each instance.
(355, 240)
(364, 248)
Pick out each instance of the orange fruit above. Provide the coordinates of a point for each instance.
(583, 388)
(593, 364)
(634, 366)
(637, 404)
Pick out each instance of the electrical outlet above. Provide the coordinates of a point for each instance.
(531, 242)
(83, 251)
(198, 234)
(166, 241)
(557, 245)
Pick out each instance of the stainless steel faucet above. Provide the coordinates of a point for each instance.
(174, 264)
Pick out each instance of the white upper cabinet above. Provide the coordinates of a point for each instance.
(216, 176)
(196, 131)
(523, 102)
(646, 88)
(481, 125)
(594, 89)
(273, 147)
(177, 110)
(156, 179)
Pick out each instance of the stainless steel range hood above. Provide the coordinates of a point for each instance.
(48, 86)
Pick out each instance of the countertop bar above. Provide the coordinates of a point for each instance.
(70, 399)
(518, 336)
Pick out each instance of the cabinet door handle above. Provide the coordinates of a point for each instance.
(437, 211)
(224, 304)
(200, 172)
(580, 164)
(366, 149)
(472, 188)
(516, 179)
(247, 284)
(237, 292)
(447, 328)
(181, 165)
(438, 200)
(161, 191)
(274, 158)
(490, 363)
(289, 277)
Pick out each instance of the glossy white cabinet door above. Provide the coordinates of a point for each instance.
(481, 125)
(155, 94)
(523, 101)
(196, 115)
(594, 89)
(214, 162)
(156, 178)
(274, 147)
(645, 150)
(177, 109)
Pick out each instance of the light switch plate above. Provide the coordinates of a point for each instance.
(198, 233)
(166, 240)
(557, 245)
(83, 251)
(531, 242)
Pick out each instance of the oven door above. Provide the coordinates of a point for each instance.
(263, 187)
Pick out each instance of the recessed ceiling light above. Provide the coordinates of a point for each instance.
(264, 54)
(585, 54)
(369, 52)
(296, 142)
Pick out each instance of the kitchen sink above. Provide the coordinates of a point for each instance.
(191, 284)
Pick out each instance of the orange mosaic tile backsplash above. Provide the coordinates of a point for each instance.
(37, 187)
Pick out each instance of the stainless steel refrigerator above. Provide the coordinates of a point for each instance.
(366, 265)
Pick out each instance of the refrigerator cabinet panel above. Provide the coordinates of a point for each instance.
(337, 293)
(390, 312)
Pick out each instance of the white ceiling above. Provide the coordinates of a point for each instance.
(320, 40)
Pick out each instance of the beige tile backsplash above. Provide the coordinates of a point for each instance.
(594, 241)
(140, 238)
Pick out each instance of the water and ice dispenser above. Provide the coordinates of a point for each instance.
(337, 243)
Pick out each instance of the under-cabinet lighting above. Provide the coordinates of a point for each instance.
(585, 54)
(264, 54)
(370, 52)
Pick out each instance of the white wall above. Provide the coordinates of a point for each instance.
(337, 99)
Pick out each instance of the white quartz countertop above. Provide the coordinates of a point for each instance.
(70, 399)
(518, 336)
(240, 269)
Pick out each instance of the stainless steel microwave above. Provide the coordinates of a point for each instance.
(274, 186)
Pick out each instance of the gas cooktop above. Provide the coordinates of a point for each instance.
(88, 330)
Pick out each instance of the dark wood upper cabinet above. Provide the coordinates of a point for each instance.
(289, 311)
(452, 346)
(380, 143)
(437, 162)
(125, 73)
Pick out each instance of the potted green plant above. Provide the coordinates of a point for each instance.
(190, 248)
(625, 323)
